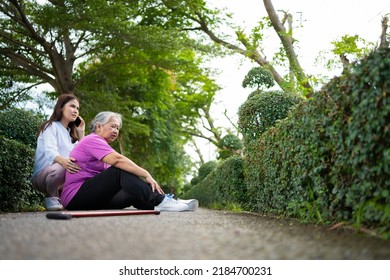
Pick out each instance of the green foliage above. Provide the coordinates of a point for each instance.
(367, 139)
(133, 57)
(16, 191)
(20, 125)
(157, 101)
(206, 169)
(228, 146)
(261, 110)
(195, 181)
(257, 78)
(352, 48)
(18, 130)
(224, 186)
(351, 45)
(203, 171)
(328, 161)
(73, 32)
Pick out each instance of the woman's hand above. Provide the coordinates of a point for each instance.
(155, 187)
(70, 165)
(80, 129)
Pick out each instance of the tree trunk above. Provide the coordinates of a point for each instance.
(59, 73)
(287, 42)
(384, 42)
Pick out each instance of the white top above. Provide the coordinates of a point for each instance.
(53, 141)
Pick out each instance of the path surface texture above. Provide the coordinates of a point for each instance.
(201, 235)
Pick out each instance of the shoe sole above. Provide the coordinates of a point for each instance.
(54, 208)
(170, 209)
(193, 204)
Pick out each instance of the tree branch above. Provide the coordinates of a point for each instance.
(385, 24)
(287, 42)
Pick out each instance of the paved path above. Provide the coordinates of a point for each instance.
(201, 235)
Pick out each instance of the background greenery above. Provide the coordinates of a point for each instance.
(18, 129)
(326, 162)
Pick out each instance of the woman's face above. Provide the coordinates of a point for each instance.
(70, 111)
(109, 131)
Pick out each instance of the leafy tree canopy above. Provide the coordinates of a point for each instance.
(114, 55)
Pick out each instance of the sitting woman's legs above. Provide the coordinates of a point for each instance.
(114, 189)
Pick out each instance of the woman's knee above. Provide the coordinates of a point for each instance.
(56, 176)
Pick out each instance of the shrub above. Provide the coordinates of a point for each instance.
(16, 191)
(261, 110)
(229, 145)
(258, 77)
(224, 187)
(329, 160)
(206, 169)
(20, 125)
(203, 171)
(363, 159)
(17, 148)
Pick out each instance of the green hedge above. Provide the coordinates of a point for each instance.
(224, 187)
(329, 160)
(20, 125)
(228, 146)
(18, 130)
(16, 191)
(261, 110)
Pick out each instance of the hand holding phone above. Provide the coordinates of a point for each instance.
(77, 121)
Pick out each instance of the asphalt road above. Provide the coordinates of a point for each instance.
(201, 235)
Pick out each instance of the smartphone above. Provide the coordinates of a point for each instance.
(77, 121)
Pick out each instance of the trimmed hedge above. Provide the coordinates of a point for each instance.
(18, 130)
(16, 191)
(329, 161)
(261, 110)
(20, 125)
(223, 187)
(228, 146)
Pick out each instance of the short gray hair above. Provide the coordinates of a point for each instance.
(103, 118)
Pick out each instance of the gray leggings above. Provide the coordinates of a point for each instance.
(115, 188)
(50, 179)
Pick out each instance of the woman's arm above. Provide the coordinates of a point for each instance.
(124, 163)
(52, 152)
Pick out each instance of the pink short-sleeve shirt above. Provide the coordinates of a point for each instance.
(88, 154)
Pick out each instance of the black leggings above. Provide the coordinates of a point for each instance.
(115, 188)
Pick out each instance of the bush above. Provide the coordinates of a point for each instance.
(17, 149)
(224, 187)
(16, 191)
(363, 158)
(329, 160)
(228, 146)
(261, 110)
(20, 125)
(206, 169)
(203, 171)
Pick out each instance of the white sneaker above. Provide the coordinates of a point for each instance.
(192, 203)
(53, 204)
(172, 205)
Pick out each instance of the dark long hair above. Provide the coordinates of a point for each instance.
(57, 115)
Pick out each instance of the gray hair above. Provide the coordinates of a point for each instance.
(103, 118)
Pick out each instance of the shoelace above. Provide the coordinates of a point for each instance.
(170, 197)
